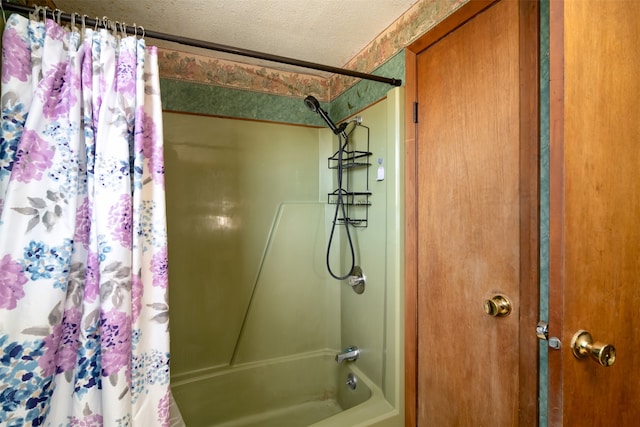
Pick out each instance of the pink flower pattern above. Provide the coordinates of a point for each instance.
(48, 360)
(92, 285)
(55, 31)
(16, 57)
(163, 410)
(12, 281)
(83, 223)
(151, 151)
(125, 73)
(92, 420)
(59, 89)
(69, 342)
(160, 268)
(116, 342)
(61, 345)
(137, 290)
(33, 158)
(120, 220)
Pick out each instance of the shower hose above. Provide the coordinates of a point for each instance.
(340, 207)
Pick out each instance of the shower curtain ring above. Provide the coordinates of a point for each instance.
(39, 11)
(35, 15)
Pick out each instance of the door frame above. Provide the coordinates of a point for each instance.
(529, 204)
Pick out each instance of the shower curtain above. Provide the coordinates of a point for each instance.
(84, 337)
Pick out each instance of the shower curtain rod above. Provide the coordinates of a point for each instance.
(211, 46)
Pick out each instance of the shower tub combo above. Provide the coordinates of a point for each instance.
(279, 369)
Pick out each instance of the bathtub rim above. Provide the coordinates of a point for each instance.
(371, 411)
(219, 370)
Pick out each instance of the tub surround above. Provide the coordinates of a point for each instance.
(248, 227)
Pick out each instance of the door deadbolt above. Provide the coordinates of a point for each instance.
(497, 306)
(583, 346)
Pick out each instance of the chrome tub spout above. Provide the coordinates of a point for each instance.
(349, 354)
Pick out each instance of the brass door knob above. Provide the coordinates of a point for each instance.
(497, 306)
(583, 346)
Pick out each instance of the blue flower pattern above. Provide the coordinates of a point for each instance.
(42, 262)
(13, 121)
(88, 368)
(22, 384)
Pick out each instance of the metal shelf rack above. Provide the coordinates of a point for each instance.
(356, 198)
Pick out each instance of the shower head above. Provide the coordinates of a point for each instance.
(313, 104)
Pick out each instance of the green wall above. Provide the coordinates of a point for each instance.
(362, 316)
(226, 182)
(374, 320)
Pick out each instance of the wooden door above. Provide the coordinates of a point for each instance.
(472, 221)
(595, 209)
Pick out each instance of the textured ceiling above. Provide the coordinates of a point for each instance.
(329, 32)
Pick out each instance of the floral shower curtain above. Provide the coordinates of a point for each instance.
(84, 335)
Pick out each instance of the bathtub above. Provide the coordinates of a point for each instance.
(295, 391)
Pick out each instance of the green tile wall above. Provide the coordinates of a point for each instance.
(197, 98)
(206, 99)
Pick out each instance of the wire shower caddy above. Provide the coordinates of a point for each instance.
(355, 165)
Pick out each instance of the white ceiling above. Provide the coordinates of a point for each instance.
(329, 32)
